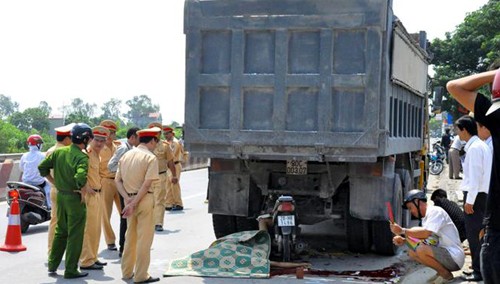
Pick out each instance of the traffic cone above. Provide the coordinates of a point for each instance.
(13, 241)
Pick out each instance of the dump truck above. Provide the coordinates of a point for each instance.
(322, 100)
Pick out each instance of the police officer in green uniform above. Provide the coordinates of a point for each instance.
(70, 166)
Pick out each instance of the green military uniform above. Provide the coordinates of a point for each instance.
(70, 166)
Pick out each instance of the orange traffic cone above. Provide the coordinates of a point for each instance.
(13, 241)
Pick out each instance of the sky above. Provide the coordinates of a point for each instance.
(59, 50)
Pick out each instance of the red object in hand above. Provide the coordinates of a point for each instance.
(389, 210)
(495, 94)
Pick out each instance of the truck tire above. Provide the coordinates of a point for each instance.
(223, 225)
(358, 235)
(407, 183)
(382, 235)
(246, 224)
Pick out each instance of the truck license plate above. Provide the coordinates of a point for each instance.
(286, 220)
(294, 167)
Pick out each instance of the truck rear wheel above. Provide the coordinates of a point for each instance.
(226, 224)
(358, 234)
(382, 235)
(223, 225)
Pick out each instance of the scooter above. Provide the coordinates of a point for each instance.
(32, 203)
(437, 158)
(285, 226)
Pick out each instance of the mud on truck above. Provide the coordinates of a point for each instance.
(321, 100)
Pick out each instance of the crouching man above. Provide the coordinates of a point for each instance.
(436, 243)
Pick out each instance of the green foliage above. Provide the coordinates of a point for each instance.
(469, 49)
(142, 111)
(13, 139)
(7, 106)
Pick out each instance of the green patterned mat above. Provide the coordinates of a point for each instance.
(240, 255)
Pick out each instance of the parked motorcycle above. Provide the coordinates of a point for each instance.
(436, 159)
(32, 203)
(285, 226)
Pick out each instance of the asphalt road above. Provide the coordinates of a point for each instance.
(189, 231)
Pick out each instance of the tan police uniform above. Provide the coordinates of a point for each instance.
(136, 166)
(164, 155)
(63, 131)
(173, 197)
(92, 234)
(109, 193)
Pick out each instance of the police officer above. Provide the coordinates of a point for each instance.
(109, 193)
(137, 170)
(70, 166)
(165, 159)
(92, 235)
(173, 200)
(63, 138)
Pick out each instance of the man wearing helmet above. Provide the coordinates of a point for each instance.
(70, 166)
(438, 245)
(29, 165)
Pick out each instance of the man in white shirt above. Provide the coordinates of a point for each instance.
(445, 255)
(475, 185)
(484, 133)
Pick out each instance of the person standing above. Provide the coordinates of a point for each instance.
(165, 160)
(92, 234)
(109, 193)
(173, 199)
(446, 142)
(485, 135)
(455, 164)
(63, 138)
(464, 90)
(477, 171)
(132, 141)
(70, 166)
(137, 170)
(29, 166)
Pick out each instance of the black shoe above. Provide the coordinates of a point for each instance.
(52, 271)
(458, 178)
(159, 228)
(149, 280)
(177, 208)
(168, 208)
(92, 267)
(467, 273)
(112, 247)
(473, 277)
(79, 275)
(101, 263)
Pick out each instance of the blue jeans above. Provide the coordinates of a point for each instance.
(490, 257)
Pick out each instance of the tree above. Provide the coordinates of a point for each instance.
(79, 111)
(469, 49)
(111, 110)
(7, 106)
(142, 111)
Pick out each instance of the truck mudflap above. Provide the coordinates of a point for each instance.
(369, 194)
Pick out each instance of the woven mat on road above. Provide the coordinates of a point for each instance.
(240, 255)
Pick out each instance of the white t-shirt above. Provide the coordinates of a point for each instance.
(457, 143)
(439, 222)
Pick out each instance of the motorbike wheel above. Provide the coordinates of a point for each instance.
(436, 168)
(24, 226)
(287, 248)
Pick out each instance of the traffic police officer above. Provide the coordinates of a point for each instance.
(70, 166)
(137, 170)
(109, 193)
(92, 235)
(165, 159)
(173, 200)
(63, 138)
